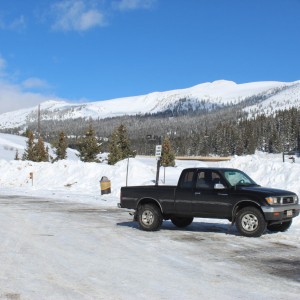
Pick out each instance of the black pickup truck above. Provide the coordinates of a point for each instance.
(221, 193)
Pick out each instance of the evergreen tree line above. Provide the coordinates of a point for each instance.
(224, 135)
(37, 151)
(138, 127)
(224, 132)
(273, 134)
(89, 147)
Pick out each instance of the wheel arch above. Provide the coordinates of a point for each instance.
(148, 200)
(244, 203)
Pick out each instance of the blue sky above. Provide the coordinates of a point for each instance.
(89, 50)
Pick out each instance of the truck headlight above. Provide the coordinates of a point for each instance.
(273, 200)
(282, 200)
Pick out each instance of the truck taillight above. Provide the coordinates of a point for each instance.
(119, 204)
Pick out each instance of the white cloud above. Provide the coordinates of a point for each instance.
(35, 83)
(2, 63)
(15, 96)
(2, 66)
(12, 97)
(133, 4)
(75, 15)
(16, 24)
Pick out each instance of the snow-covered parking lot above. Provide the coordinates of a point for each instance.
(53, 249)
(61, 239)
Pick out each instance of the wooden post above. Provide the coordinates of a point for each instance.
(31, 177)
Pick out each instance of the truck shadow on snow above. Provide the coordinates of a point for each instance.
(194, 227)
(198, 226)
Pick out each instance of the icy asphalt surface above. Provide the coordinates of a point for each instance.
(52, 249)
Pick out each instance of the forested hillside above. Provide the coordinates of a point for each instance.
(218, 118)
(226, 131)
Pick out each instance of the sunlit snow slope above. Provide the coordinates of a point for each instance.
(273, 96)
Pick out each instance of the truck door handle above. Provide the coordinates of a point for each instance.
(197, 193)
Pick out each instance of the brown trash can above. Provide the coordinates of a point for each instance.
(105, 185)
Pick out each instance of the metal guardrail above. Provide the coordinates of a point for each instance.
(200, 158)
(204, 158)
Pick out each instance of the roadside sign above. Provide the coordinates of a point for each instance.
(158, 150)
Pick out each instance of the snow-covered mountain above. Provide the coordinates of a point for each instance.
(259, 97)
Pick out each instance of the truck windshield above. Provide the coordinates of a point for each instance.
(238, 178)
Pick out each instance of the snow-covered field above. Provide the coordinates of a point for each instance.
(72, 181)
(72, 177)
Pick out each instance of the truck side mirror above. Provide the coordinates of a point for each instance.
(219, 186)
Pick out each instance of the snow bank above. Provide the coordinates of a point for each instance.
(74, 180)
(269, 170)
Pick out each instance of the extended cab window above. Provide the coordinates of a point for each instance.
(207, 179)
(187, 180)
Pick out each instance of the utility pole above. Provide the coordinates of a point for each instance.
(39, 120)
(127, 170)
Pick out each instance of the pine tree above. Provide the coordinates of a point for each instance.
(115, 153)
(29, 151)
(89, 147)
(204, 142)
(35, 151)
(124, 142)
(61, 147)
(40, 152)
(168, 156)
(119, 146)
(27, 133)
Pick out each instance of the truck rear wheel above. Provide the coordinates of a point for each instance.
(280, 227)
(250, 222)
(182, 222)
(149, 217)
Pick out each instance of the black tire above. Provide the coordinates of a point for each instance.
(283, 226)
(149, 217)
(182, 222)
(250, 222)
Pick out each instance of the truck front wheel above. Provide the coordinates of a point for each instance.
(250, 222)
(182, 222)
(149, 217)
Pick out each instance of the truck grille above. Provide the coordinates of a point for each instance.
(287, 200)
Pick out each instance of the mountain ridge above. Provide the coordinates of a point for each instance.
(209, 95)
